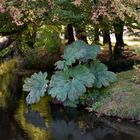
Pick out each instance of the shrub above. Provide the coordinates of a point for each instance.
(39, 59)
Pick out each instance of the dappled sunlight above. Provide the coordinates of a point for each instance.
(8, 66)
(2, 39)
(131, 42)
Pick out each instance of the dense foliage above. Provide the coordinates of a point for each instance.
(22, 20)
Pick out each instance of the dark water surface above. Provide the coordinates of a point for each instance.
(44, 121)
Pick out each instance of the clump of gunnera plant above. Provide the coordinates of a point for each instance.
(75, 73)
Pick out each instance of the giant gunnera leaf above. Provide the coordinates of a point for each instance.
(36, 85)
(74, 51)
(103, 77)
(71, 84)
(92, 51)
(77, 51)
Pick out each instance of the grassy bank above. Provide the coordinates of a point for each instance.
(121, 99)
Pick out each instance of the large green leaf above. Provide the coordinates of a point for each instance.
(36, 85)
(79, 50)
(83, 74)
(71, 84)
(103, 77)
(74, 51)
(92, 51)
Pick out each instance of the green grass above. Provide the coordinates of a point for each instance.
(121, 99)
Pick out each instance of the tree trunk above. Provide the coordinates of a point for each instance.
(106, 37)
(107, 40)
(32, 35)
(118, 49)
(96, 34)
(70, 34)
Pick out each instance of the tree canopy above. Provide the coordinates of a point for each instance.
(25, 16)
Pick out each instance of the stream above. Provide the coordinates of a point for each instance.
(45, 121)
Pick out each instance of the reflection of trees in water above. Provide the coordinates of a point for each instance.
(124, 127)
(73, 128)
(71, 125)
(9, 127)
(34, 119)
(67, 124)
(61, 130)
(108, 129)
(5, 89)
(11, 89)
(12, 124)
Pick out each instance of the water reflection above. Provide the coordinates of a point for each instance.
(35, 118)
(44, 121)
(63, 130)
(5, 89)
(81, 125)
(9, 127)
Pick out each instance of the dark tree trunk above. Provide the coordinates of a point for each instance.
(32, 39)
(96, 34)
(118, 49)
(70, 34)
(106, 37)
(107, 40)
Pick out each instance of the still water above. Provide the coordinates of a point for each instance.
(44, 121)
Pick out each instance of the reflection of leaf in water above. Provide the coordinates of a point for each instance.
(68, 131)
(35, 118)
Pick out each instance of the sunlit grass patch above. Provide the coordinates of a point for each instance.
(122, 98)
